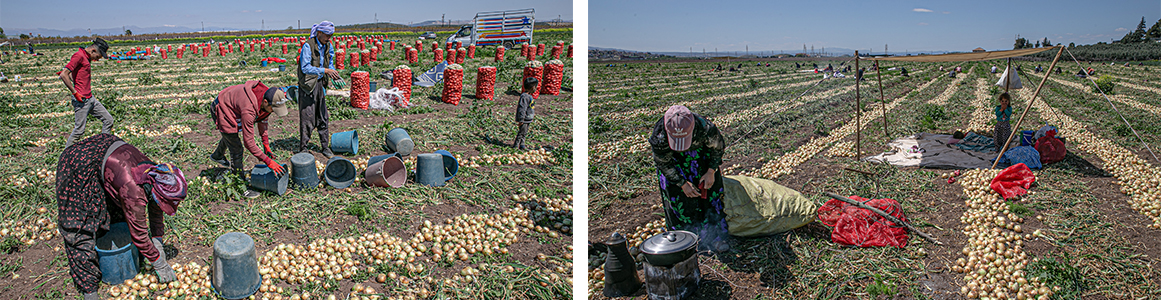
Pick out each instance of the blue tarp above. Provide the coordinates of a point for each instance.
(432, 76)
(1022, 154)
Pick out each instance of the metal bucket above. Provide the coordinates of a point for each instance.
(398, 141)
(378, 158)
(450, 165)
(344, 142)
(304, 171)
(235, 273)
(264, 178)
(117, 256)
(429, 170)
(339, 172)
(389, 172)
(280, 67)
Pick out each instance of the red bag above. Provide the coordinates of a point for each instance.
(855, 226)
(1013, 181)
(1051, 149)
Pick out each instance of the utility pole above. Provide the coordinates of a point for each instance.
(443, 20)
(887, 49)
(261, 24)
(375, 17)
(298, 24)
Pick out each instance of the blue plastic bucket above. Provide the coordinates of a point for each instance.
(398, 141)
(373, 86)
(304, 171)
(1026, 137)
(263, 63)
(117, 256)
(389, 172)
(429, 170)
(339, 172)
(450, 164)
(281, 67)
(344, 142)
(378, 158)
(264, 178)
(235, 273)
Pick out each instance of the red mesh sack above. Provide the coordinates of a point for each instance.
(460, 54)
(339, 59)
(531, 53)
(366, 57)
(451, 53)
(556, 52)
(284, 49)
(453, 84)
(855, 226)
(500, 53)
(438, 55)
(392, 45)
(534, 70)
(434, 46)
(458, 44)
(403, 80)
(485, 83)
(540, 49)
(1051, 149)
(1013, 181)
(412, 55)
(570, 51)
(354, 59)
(359, 89)
(551, 83)
(470, 51)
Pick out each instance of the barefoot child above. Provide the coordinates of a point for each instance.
(524, 111)
(1003, 118)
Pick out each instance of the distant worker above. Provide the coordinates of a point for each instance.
(315, 70)
(907, 74)
(688, 152)
(994, 69)
(76, 76)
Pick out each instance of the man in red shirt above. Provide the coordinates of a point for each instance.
(76, 77)
(237, 111)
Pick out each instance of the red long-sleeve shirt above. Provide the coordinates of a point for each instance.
(119, 185)
(239, 111)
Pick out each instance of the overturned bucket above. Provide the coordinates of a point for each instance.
(450, 165)
(429, 170)
(117, 256)
(398, 141)
(304, 171)
(235, 273)
(379, 158)
(389, 172)
(264, 178)
(339, 172)
(344, 142)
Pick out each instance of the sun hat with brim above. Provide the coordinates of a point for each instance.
(680, 124)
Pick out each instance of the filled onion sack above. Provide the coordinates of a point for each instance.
(284, 49)
(551, 84)
(761, 207)
(406, 52)
(462, 53)
(570, 51)
(556, 52)
(540, 49)
(453, 84)
(392, 45)
(359, 89)
(532, 69)
(418, 44)
(354, 59)
(412, 55)
(470, 51)
(451, 53)
(438, 55)
(403, 79)
(530, 54)
(499, 53)
(180, 52)
(485, 83)
(434, 46)
(366, 57)
(458, 44)
(339, 59)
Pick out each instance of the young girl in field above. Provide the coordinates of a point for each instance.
(1003, 118)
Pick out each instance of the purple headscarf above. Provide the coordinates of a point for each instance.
(324, 26)
(168, 186)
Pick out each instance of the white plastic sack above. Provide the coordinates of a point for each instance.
(388, 99)
(1016, 84)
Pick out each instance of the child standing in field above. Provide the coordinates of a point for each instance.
(76, 77)
(524, 111)
(1003, 118)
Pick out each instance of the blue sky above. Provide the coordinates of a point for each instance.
(677, 26)
(65, 15)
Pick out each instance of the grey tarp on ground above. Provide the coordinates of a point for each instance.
(937, 153)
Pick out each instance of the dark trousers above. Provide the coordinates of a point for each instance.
(81, 249)
(520, 135)
(231, 142)
(314, 114)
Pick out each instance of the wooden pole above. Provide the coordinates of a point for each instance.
(884, 215)
(857, 89)
(882, 93)
(1034, 96)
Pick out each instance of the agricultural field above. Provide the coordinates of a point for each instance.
(500, 229)
(1087, 229)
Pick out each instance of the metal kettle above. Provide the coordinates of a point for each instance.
(621, 274)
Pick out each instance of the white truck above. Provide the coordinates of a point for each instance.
(506, 28)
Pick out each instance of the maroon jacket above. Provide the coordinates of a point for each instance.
(239, 111)
(118, 176)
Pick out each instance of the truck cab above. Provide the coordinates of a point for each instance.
(463, 35)
(504, 28)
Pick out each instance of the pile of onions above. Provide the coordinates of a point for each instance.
(995, 261)
(453, 83)
(359, 89)
(530, 157)
(843, 149)
(533, 69)
(27, 232)
(500, 53)
(438, 55)
(339, 59)
(471, 51)
(402, 79)
(460, 55)
(485, 83)
(551, 84)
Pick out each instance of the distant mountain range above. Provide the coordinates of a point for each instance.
(45, 32)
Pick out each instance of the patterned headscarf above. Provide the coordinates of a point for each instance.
(324, 26)
(168, 186)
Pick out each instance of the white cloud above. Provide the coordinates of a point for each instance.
(168, 25)
(923, 24)
(1121, 29)
(922, 10)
